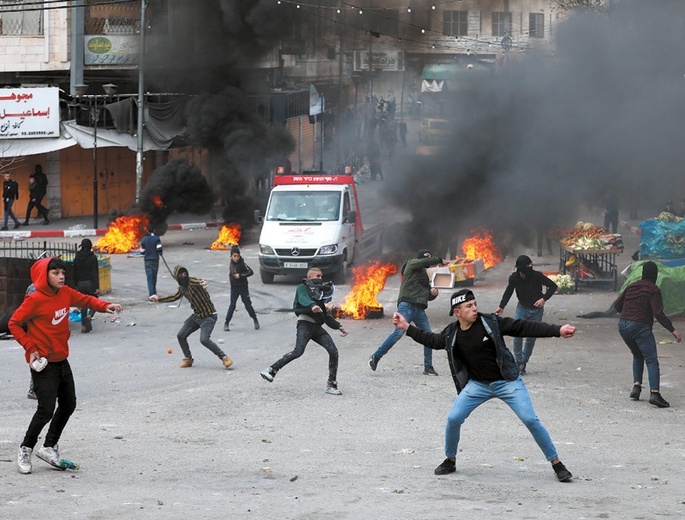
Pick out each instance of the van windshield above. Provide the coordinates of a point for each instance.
(307, 206)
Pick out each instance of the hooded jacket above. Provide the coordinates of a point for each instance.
(496, 328)
(242, 269)
(416, 286)
(86, 268)
(194, 292)
(305, 299)
(642, 302)
(45, 314)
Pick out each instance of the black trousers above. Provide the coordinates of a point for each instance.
(312, 331)
(53, 385)
(36, 203)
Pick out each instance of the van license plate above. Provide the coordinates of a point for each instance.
(295, 265)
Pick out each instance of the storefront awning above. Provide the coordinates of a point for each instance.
(23, 147)
(83, 136)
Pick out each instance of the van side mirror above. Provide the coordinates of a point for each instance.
(351, 216)
(258, 217)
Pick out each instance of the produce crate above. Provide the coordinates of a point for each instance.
(105, 274)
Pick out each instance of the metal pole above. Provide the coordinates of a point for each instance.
(141, 103)
(323, 123)
(96, 117)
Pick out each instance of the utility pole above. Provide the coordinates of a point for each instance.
(341, 58)
(141, 102)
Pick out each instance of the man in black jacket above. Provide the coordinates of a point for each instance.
(10, 193)
(483, 368)
(238, 273)
(38, 187)
(533, 290)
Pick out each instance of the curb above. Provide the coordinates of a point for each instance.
(20, 234)
(633, 229)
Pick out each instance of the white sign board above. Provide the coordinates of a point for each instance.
(392, 61)
(29, 112)
(111, 50)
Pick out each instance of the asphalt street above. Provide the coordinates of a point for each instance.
(158, 441)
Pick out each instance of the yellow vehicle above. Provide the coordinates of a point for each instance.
(435, 130)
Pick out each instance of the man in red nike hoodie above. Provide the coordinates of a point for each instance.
(41, 326)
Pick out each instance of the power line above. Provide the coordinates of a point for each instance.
(44, 7)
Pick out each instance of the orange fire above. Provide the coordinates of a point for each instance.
(123, 234)
(368, 282)
(157, 201)
(229, 235)
(481, 245)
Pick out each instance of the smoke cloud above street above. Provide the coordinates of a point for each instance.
(210, 59)
(542, 138)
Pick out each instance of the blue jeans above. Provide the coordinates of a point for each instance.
(151, 269)
(206, 326)
(522, 355)
(640, 340)
(412, 313)
(8, 213)
(515, 394)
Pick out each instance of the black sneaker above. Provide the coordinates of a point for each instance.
(17, 225)
(563, 474)
(429, 371)
(256, 323)
(635, 392)
(373, 362)
(447, 466)
(3, 228)
(226, 328)
(656, 399)
(522, 368)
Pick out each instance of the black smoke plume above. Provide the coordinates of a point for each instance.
(541, 140)
(212, 57)
(179, 187)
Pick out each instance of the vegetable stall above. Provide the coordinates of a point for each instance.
(588, 254)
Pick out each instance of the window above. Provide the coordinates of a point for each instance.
(501, 24)
(15, 21)
(455, 23)
(536, 25)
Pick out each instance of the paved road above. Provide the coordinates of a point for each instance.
(158, 441)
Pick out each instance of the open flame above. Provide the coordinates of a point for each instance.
(123, 234)
(481, 245)
(368, 282)
(229, 235)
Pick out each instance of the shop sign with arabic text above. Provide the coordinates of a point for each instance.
(27, 113)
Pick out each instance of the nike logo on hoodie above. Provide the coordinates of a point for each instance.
(59, 316)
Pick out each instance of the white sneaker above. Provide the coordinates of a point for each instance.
(49, 455)
(268, 375)
(24, 460)
(332, 389)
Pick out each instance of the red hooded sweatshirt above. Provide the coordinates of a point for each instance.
(45, 314)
